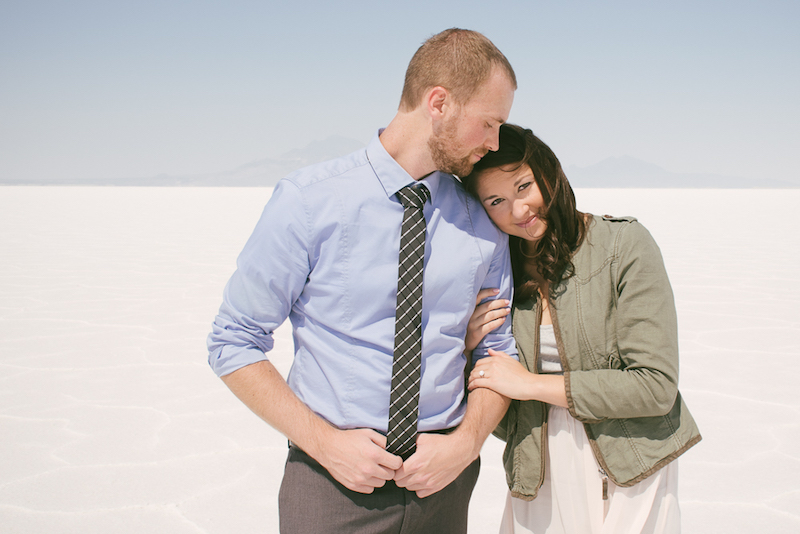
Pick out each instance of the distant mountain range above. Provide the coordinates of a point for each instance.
(616, 172)
(625, 171)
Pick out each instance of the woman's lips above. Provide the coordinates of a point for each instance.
(530, 221)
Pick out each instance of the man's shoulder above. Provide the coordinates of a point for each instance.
(477, 221)
(453, 192)
(316, 173)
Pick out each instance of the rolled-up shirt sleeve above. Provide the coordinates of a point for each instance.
(271, 272)
(499, 277)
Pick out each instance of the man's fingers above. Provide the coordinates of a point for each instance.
(366, 483)
(407, 480)
(359, 460)
(377, 438)
(386, 460)
(390, 463)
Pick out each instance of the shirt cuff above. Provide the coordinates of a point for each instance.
(230, 358)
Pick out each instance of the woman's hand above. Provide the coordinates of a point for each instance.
(504, 375)
(486, 317)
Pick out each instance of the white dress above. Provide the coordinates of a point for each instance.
(571, 501)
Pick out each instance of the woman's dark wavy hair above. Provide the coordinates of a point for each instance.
(552, 254)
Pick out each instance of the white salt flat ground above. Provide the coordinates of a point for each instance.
(111, 420)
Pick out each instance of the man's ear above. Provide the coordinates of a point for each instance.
(438, 102)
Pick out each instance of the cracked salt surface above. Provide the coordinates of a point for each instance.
(111, 420)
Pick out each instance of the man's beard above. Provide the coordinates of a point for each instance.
(443, 145)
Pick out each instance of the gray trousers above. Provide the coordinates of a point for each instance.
(311, 501)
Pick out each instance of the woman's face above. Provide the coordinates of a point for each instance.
(513, 201)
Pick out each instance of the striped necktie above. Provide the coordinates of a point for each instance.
(407, 366)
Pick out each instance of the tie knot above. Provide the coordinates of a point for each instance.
(414, 196)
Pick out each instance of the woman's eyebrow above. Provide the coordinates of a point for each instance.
(523, 177)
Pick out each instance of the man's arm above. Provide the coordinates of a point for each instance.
(356, 458)
(499, 278)
(440, 458)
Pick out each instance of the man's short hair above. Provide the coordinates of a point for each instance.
(459, 60)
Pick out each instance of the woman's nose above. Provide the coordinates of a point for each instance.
(520, 208)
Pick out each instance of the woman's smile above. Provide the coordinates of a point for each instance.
(530, 221)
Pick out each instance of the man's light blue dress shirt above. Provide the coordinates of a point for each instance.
(324, 254)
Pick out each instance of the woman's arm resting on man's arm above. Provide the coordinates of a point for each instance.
(510, 378)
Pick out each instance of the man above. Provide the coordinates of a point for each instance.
(325, 254)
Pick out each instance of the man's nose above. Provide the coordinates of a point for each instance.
(493, 142)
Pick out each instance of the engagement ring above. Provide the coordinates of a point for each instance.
(481, 374)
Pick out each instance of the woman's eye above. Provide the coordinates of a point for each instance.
(525, 186)
(496, 201)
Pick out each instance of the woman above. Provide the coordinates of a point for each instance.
(596, 418)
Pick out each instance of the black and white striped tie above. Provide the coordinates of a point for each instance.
(407, 366)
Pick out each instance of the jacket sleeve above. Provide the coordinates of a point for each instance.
(643, 380)
(271, 273)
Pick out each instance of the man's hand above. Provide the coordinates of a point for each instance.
(437, 462)
(357, 459)
(440, 458)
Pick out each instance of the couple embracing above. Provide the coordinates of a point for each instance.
(450, 246)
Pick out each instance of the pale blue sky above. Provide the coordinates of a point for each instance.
(121, 89)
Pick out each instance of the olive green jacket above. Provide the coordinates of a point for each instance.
(617, 334)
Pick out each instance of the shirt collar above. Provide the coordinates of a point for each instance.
(391, 175)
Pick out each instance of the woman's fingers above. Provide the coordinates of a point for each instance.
(485, 294)
(503, 374)
(486, 317)
(499, 311)
(490, 310)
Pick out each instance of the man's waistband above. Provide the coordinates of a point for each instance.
(291, 444)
